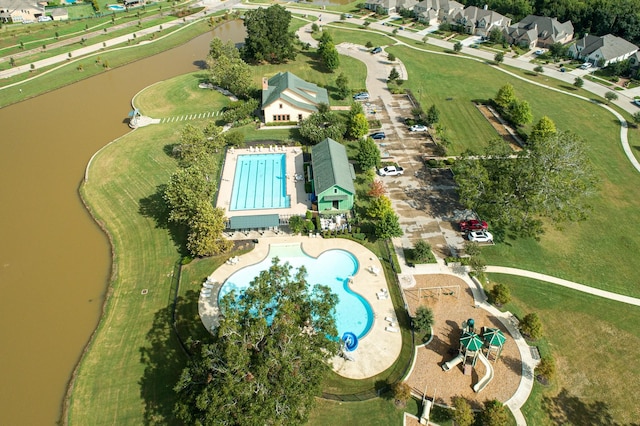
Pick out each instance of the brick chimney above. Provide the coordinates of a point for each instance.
(265, 83)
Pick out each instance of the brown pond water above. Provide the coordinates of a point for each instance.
(54, 260)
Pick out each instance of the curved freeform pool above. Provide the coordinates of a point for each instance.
(332, 268)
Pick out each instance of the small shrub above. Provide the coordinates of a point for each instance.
(401, 393)
(500, 294)
(423, 319)
(531, 326)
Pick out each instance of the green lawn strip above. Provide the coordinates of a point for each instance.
(339, 8)
(592, 340)
(379, 411)
(634, 140)
(359, 36)
(570, 253)
(180, 96)
(62, 76)
(188, 323)
(134, 360)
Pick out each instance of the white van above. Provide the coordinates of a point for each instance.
(44, 18)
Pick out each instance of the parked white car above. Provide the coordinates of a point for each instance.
(586, 65)
(480, 236)
(418, 128)
(391, 171)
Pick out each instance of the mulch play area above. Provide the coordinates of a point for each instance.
(451, 306)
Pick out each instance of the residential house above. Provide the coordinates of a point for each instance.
(602, 51)
(431, 12)
(476, 21)
(384, 6)
(634, 60)
(406, 5)
(286, 97)
(540, 31)
(333, 177)
(16, 11)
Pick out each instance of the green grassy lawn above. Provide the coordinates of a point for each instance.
(128, 371)
(377, 411)
(180, 96)
(358, 36)
(592, 341)
(451, 84)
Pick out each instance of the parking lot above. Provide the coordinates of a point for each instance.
(424, 198)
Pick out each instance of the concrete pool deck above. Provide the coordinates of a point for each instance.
(378, 349)
(294, 188)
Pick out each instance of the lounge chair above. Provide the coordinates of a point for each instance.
(391, 329)
(382, 295)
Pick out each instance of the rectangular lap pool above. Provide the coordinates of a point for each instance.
(260, 182)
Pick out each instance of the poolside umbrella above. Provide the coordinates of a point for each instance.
(494, 337)
(471, 341)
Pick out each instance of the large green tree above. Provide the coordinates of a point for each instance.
(268, 36)
(227, 69)
(368, 155)
(268, 357)
(342, 83)
(551, 180)
(321, 125)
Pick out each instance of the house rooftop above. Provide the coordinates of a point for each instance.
(331, 166)
(283, 81)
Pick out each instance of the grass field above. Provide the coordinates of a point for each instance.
(180, 96)
(592, 340)
(128, 371)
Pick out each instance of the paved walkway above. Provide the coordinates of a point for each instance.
(565, 283)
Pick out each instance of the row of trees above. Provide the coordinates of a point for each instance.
(511, 108)
(190, 190)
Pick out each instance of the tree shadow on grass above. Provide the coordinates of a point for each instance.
(154, 206)
(163, 361)
(565, 408)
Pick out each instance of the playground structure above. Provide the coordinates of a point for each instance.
(471, 349)
(427, 404)
(436, 291)
(348, 343)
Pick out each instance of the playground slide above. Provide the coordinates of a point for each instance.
(450, 364)
(482, 383)
(350, 341)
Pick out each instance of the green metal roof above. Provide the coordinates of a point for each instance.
(494, 337)
(331, 167)
(282, 81)
(253, 222)
(471, 341)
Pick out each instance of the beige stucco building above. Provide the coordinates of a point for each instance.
(288, 98)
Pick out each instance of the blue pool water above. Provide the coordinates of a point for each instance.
(332, 268)
(260, 182)
(115, 7)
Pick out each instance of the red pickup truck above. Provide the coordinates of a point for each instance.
(473, 225)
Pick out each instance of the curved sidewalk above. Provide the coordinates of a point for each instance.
(565, 283)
